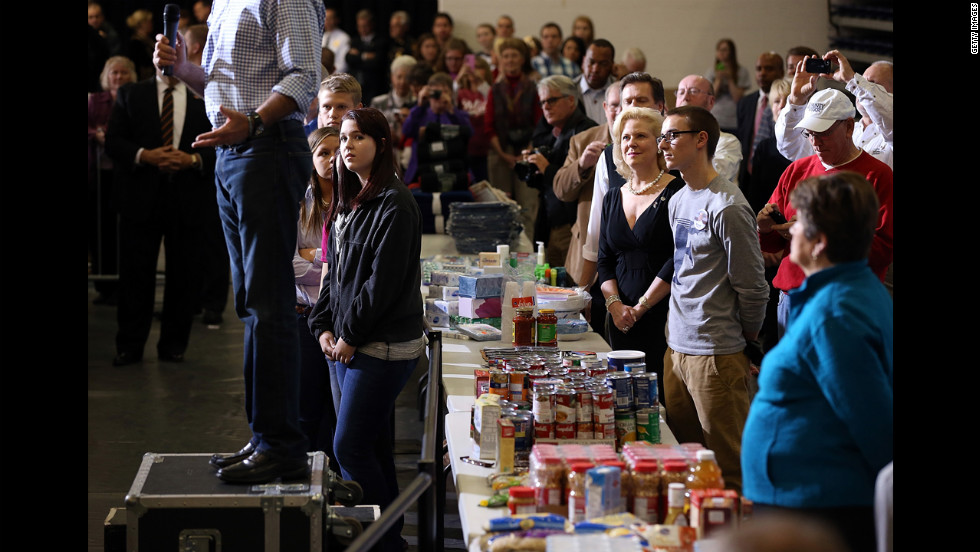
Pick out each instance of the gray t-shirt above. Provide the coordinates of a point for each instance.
(718, 289)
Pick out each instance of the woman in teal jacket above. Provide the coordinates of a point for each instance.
(821, 425)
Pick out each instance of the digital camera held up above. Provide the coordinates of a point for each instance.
(526, 170)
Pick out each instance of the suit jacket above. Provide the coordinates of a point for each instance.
(745, 113)
(143, 190)
(572, 184)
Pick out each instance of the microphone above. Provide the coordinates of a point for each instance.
(171, 16)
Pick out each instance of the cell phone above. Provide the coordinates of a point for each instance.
(777, 217)
(470, 60)
(814, 65)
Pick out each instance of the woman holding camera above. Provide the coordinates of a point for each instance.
(821, 426)
(636, 242)
(368, 317)
(435, 105)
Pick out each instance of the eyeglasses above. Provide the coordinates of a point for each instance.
(551, 101)
(689, 91)
(822, 135)
(672, 135)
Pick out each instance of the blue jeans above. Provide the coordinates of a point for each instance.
(317, 414)
(259, 186)
(782, 313)
(363, 443)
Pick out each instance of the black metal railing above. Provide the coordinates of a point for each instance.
(428, 489)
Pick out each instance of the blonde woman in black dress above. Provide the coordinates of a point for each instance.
(636, 243)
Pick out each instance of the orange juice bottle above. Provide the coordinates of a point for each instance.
(706, 474)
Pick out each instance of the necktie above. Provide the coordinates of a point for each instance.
(756, 138)
(167, 117)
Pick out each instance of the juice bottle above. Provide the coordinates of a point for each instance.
(706, 474)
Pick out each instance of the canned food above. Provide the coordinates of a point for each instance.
(625, 429)
(645, 390)
(583, 406)
(585, 430)
(648, 425)
(565, 406)
(603, 405)
(635, 367)
(543, 405)
(564, 430)
(605, 431)
(621, 384)
(518, 385)
(544, 430)
(500, 383)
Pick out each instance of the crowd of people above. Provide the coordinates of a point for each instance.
(741, 237)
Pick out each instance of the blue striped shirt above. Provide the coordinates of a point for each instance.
(256, 47)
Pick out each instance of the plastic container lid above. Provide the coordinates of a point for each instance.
(645, 466)
(675, 465)
(522, 492)
(580, 467)
(705, 454)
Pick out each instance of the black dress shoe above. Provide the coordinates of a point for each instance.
(124, 358)
(263, 467)
(220, 460)
(171, 357)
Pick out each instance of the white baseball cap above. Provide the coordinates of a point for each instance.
(825, 108)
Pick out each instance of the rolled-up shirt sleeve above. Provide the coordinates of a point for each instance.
(298, 29)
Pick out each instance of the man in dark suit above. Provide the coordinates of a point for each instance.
(367, 58)
(165, 188)
(755, 122)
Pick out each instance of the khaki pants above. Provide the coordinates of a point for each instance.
(502, 177)
(707, 402)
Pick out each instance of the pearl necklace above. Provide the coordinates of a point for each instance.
(648, 186)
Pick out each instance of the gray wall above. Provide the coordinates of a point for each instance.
(678, 38)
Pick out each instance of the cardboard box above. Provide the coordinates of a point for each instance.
(713, 510)
(505, 446)
(485, 415)
(487, 307)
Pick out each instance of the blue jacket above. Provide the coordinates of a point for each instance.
(821, 426)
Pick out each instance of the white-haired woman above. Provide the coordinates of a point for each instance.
(636, 243)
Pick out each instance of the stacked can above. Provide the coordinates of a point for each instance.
(645, 401)
(523, 421)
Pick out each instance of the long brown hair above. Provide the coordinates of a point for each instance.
(348, 193)
(314, 217)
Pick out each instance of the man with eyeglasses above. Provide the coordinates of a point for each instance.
(873, 93)
(697, 90)
(597, 66)
(718, 294)
(827, 125)
(574, 182)
(561, 121)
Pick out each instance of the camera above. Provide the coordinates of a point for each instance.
(435, 94)
(814, 65)
(526, 170)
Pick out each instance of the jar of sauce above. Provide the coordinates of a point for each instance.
(547, 333)
(523, 328)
